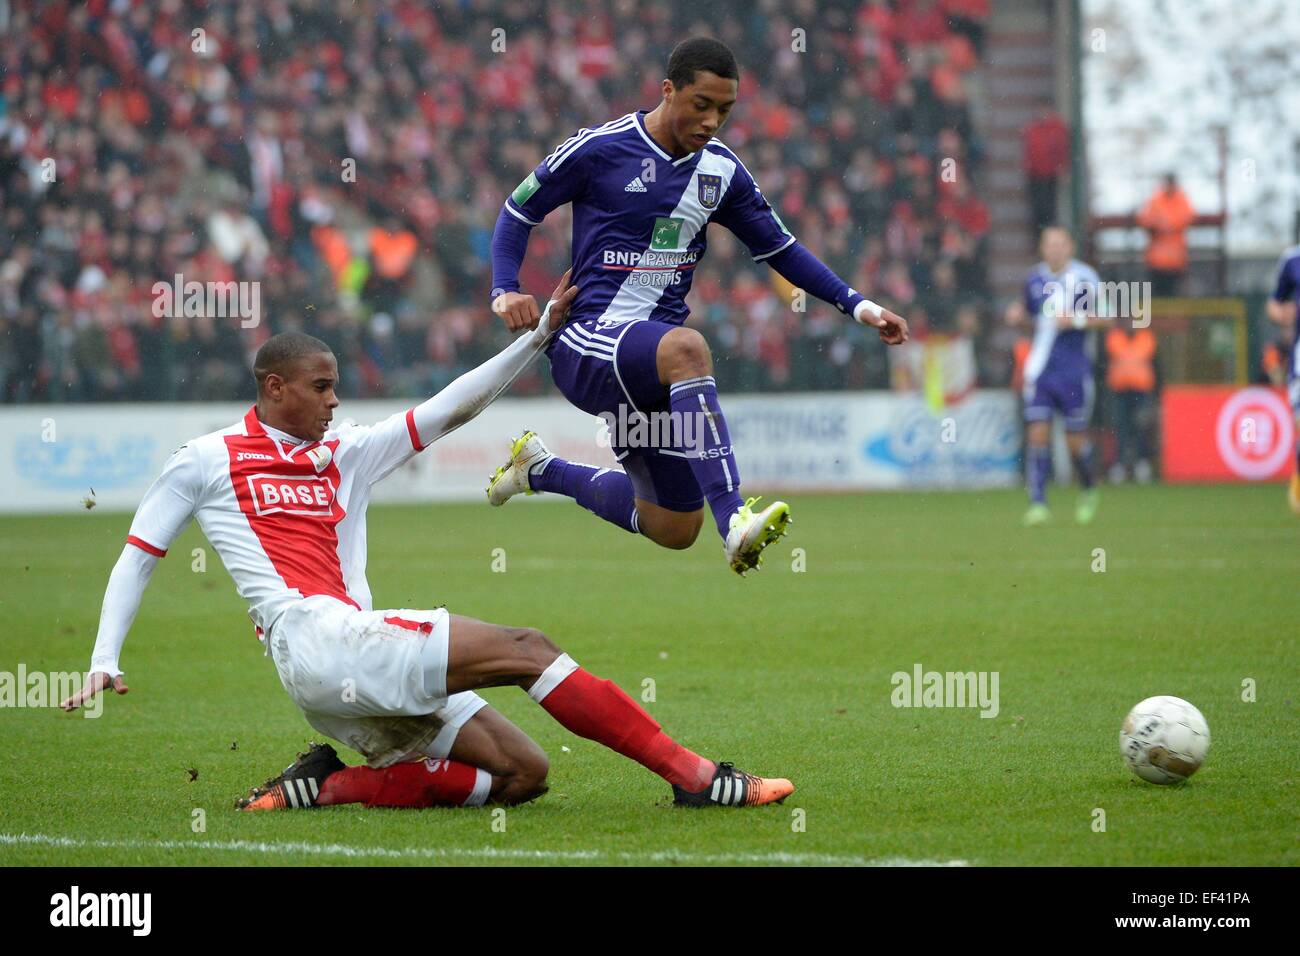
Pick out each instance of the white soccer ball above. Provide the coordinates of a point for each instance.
(1164, 739)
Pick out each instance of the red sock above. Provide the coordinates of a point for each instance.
(600, 711)
(422, 783)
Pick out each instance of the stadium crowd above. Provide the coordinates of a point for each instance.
(351, 158)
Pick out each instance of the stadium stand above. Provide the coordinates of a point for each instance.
(352, 159)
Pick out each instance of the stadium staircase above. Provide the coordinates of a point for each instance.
(1019, 70)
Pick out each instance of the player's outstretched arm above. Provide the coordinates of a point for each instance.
(892, 326)
(478, 388)
(165, 510)
(751, 217)
(805, 271)
(121, 602)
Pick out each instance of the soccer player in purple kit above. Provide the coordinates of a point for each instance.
(1060, 296)
(643, 189)
(1283, 309)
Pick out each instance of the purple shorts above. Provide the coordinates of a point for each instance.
(606, 367)
(1067, 395)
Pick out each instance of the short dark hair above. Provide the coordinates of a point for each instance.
(701, 53)
(280, 352)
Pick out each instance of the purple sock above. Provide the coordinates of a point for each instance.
(1040, 464)
(605, 493)
(709, 446)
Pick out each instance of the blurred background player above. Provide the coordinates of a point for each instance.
(1060, 295)
(644, 188)
(1282, 309)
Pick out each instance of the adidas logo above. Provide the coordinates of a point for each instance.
(635, 186)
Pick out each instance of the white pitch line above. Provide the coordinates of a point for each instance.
(456, 853)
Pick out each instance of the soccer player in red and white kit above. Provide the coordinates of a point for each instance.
(282, 497)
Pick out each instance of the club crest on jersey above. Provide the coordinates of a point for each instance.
(709, 188)
(320, 456)
(292, 495)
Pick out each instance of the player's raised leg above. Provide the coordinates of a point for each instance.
(604, 492)
(685, 367)
(582, 364)
(488, 655)
(647, 371)
(608, 493)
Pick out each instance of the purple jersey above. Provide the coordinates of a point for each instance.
(1287, 289)
(1055, 351)
(639, 217)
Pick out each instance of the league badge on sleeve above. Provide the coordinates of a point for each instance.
(320, 457)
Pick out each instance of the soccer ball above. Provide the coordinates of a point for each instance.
(1164, 739)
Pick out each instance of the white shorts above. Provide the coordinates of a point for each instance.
(373, 680)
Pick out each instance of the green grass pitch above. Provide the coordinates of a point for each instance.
(784, 672)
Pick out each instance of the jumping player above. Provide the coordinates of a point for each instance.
(643, 188)
(282, 497)
(1060, 295)
(1284, 309)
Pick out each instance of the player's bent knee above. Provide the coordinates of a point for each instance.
(534, 647)
(527, 780)
(531, 779)
(679, 537)
(683, 353)
(674, 530)
(519, 790)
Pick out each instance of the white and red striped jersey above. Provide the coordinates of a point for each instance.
(288, 518)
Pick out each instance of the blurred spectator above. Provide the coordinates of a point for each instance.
(1131, 381)
(237, 238)
(1166, 217)
(1046, 158)
(392, 253)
